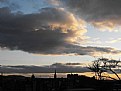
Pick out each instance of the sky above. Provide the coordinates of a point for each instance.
(47, 32)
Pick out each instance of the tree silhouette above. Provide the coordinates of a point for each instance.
(104, 65)
(96, 68)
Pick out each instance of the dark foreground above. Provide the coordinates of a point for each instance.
(71, 83)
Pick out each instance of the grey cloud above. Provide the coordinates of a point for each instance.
(104, 14)
(95, 9)
(80, 50)
(74, 64)
(47, 32)
(18, 31)
(43, 69)
(57, 65)
(60, 68)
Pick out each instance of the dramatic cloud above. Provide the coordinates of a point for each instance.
(103, 14)
(50, 28)
(51, 31)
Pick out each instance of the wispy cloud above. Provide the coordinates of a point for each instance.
(114, 41)
(94, 41)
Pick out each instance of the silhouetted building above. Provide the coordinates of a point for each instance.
(55, 75)
(73, 82)
(33, 81)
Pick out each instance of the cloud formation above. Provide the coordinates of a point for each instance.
(89, 50)
(41, 31)
(51, 31)
(103, 14)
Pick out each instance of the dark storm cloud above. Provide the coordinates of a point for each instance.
(95, 9)
(34, 32)
(43, 69)
(104, 14)
(51, 31)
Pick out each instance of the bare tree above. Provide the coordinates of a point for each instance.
(96, 68)
(110, 65)
(103, 65)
